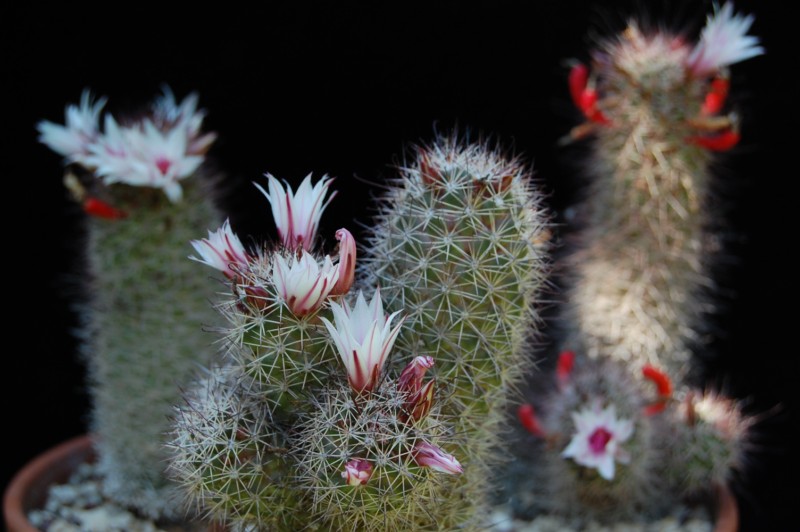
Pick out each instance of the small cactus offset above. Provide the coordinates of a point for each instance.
(710, 442)
(604, 451)
(361, 408)
(148, 306)
(639, 289)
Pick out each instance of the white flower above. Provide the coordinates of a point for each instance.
(143, 155)
(222, 250)
(723, 41)
(597, 440)
(81, 130)
(297, 214)
(157, 151)
(364, 337)
(168, 115)
(304, 285)
(429, 455)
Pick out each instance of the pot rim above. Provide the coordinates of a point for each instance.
(20, 494)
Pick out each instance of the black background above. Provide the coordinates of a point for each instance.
(344, 89)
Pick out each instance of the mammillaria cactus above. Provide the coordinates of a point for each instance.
(639, 286)
(136, 179)
(654, 104)
(359, 417)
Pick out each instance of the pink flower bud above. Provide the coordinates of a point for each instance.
(429, 455)
(347, 262)
(419, 398)
(357, 472)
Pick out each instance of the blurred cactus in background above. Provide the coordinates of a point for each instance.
(137, 179)
(638, 286)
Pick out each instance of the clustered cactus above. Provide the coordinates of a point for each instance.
(136, 179)
(331, 413)
(638, 288)
(368, 389)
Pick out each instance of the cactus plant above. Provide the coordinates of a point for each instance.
(136, 179)
(639, 287)
(350, 433)
(654, 105)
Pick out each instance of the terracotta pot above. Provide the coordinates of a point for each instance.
(28, 489)
(727, 511)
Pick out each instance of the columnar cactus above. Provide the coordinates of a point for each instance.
(637, 296)
(349, 431)
(653, 103)
(460, 246)
(147, 306)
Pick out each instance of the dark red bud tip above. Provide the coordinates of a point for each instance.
(430, 176)
(715, 99)
(597, 116)
(577, 80)
(566, 361)
(722, 142)
(584, 97)
(660, 379)
(100, 209)
(527, 416)
(655, 408)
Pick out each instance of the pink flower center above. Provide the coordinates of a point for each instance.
(599, 439)
(163, 164)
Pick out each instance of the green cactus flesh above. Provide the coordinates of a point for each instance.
(149, 306)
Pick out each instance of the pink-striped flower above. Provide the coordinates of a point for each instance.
(357, 472)
(363, 337)
(429, 455)
(81, 130)
(347, 262)
(302, 282)
(596, 442)
(223, 251)
(723, 41)
(297, 214)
